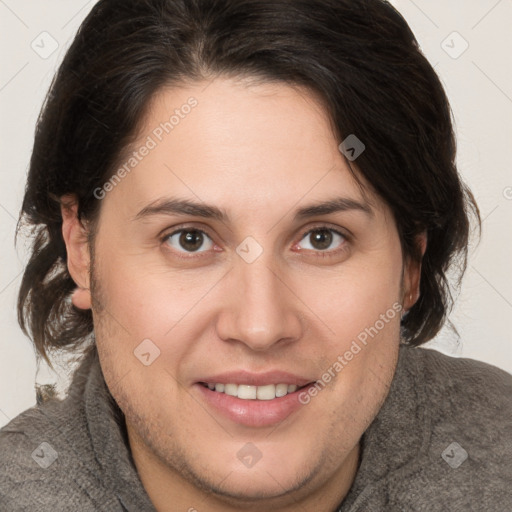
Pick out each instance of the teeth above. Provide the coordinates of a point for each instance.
(266, 392)
(245, 392)
(281, 389)
(230, 389)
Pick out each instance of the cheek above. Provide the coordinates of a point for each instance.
(147, 298)
(151, 309)
(360, 312)
(354, 298)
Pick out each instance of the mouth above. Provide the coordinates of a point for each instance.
(256, 405)
(249, 392)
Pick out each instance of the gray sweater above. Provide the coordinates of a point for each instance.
(442, 441)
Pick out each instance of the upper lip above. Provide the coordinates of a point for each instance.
(243, 377)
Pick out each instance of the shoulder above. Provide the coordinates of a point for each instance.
(29, 467)
(42, 468)
(466, 455)
(458, 385)
(17, 444)
(465, 396)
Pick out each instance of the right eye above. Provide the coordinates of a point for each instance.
(188, 240)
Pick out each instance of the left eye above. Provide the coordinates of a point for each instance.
(322, 238)
(191, 240)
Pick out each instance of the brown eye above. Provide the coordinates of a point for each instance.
(322, 239)
(189, 240)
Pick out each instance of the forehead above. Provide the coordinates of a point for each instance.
(261, 145)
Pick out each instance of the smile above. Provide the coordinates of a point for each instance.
(252, 405)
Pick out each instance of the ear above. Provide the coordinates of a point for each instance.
(412, 274)
(77, 247)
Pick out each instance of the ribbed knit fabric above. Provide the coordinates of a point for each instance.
(442, 441)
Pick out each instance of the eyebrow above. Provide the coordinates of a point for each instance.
(175, 206)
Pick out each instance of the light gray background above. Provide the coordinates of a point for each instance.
(479, 85)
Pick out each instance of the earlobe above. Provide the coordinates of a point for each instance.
(81, 298)
(77, 248)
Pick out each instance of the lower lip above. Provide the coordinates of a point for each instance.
(252, 413)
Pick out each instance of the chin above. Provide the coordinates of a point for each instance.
(265, 475)
(252, 485)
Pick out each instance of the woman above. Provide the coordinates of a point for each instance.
(245, 212)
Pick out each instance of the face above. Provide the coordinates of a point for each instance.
(252, 291)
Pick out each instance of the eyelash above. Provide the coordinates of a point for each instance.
(319, 253)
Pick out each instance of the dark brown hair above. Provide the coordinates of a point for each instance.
(359, 56)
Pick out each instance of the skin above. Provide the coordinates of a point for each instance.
(259, 151)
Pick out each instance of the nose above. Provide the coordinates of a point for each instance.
(260, 309)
